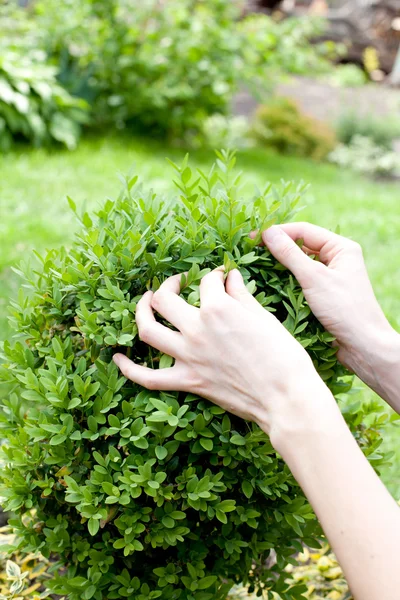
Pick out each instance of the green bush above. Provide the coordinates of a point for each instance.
(382, 131)
(348, 75)
(364, 156)
(282, 126)
(33, 106)
(163, 67)
(319, 571)
(144, 494)
(219, 131)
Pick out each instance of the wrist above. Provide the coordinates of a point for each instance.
(310, 412)
(377, 362)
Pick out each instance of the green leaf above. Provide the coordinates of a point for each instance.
(199, 423)
(93, 526)
(12, 569)
(168, 522)
(247, 488)
(166, 361)
(207, 444)
(161, 452)
(206, 582)
(238, 440)
(56, 440)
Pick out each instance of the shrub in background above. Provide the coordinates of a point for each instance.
(347, 75)
(319, 571)
(364, 156)
(219, 131)
(281, 125)
(163, 67)
(22, 577)
(33, 106)
(144, 494)
(382, 131)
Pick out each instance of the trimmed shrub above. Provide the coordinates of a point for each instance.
(282, 126)
(347, 75)
(224, 132)
(364, 156)
(144, 494)
(381, 131)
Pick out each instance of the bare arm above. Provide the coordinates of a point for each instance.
(357, 514)
(360, 519)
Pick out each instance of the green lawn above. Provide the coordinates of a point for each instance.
(35, 215)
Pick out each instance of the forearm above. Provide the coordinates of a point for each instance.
(358, 515)
(375, 358)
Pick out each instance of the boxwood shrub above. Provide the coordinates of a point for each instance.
(283, 126)
(140, 494)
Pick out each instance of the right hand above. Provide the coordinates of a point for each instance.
(339, 292)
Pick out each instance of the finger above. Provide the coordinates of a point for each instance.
(212, 288)
(288, 253)
(167, 302)
(235, 287)
(317, 239)
(152, 379)
(153, 333)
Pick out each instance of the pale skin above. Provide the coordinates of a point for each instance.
(236, 354)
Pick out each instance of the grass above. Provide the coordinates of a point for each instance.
(35, 215)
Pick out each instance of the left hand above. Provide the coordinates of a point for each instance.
(230, 351)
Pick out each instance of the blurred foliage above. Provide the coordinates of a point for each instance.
(162, 67)
(21, 577)
(281, 125)
(318, 571)
(33, 105)
(219, 131)
(382, 131)
(348, 75)
(365, 156)
(322, 575)
(371, 59)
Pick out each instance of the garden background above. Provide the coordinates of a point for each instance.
(91, 91)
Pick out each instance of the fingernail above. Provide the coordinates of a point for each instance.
(272, 234)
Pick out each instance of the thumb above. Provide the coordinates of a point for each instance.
(288, 253)
(235, 287)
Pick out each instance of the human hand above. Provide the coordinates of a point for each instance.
(230, 351)
(339, 292)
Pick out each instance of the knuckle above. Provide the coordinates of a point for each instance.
(353, 248)
(194, 334)
(288, 251)
(157, 299)
(149, 382)
(145, 333)
(319, 270)
(125, 372)
(356, 247)
(194, 382)
(212, 310)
